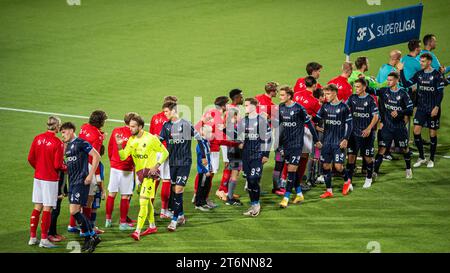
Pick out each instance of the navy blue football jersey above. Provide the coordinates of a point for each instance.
(430, 88)
(178, 136)
(337, 120)
(397, 100)
(76, 158)
(363, 109)
(256, 135)
(292, 120)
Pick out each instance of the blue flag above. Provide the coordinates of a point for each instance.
(382, 29)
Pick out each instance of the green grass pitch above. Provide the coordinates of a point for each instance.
(123, 56)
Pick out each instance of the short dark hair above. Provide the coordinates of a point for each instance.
(361, 81)
(68, 125)
(252, 101)
(312, 66)
(331, 87)
(271, 87)
(288, 90)
(235, 92)
(128, 117)
(170, 104)
(318, 93)
(427, 38)
(360, 61)
(413, 44)
(98, 118)
(426, 56)
(310, 81)
(221, 101)
(394, 74)
(139, 120)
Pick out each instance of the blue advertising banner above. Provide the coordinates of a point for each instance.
(381, 29)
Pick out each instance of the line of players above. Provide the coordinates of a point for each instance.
(346, 120)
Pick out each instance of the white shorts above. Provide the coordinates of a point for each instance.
(45, 192)
(224, 153)
(215, 158)
(93, 186)
(164, 169)
(307, 142)
(121, 181)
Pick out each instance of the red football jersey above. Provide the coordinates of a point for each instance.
(94, 136)
(300, 85)
(113, 152)
(265, 105)
(213, 117)
(157, 123)
(344, 88)
(46, 156)
(308, 101)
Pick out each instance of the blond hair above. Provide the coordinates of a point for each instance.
(53, 123)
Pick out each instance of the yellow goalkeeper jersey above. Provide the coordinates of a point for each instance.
(144, 151)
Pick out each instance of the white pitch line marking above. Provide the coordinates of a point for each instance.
(56, 114)
(85, 117)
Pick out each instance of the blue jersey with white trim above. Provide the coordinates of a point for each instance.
(207, 151)
(256, 134)
(292, 120)
(363, 109)
(430, 88)
(178, 136)
(397, 100)
(76, 158)
(337, 120)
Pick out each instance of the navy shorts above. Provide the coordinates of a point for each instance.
(179, 175)
(399, 136)
(235, 165)
(361, 145)
(425, 120)
(292, 156)
(332, 153)
(252, 168)
(78, 194)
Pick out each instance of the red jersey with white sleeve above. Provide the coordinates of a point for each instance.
(157, 122)
(113, 152)
(46, 156)
(218, 141)
(213, 117)
(265, 105)
(344, 88)
(301, 86)
(308, 101)
(94, 136)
